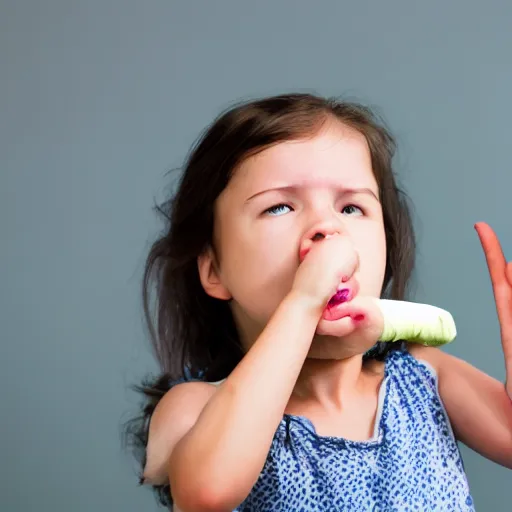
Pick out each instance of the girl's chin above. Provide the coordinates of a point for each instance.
(332, 348)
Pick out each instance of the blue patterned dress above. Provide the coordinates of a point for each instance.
(411, 463)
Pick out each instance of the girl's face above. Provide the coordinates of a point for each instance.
(276, 199)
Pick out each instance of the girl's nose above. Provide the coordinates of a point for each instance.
(316, 235)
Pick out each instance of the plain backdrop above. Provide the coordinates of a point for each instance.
(99, 99)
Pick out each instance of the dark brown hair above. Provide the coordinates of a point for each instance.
(193, 334)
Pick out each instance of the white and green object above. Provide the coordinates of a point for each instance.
(417, 323)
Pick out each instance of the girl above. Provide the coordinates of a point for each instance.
(270, 397)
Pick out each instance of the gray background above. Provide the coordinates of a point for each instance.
(99, 99)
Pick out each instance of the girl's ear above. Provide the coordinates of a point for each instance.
(209, 275)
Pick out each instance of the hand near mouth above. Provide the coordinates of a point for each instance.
(360, 316)
(326, 268)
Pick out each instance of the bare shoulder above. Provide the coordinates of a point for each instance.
(174, 416)
(432, 355)
(181, 405)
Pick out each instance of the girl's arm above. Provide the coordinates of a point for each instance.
(478, 405)
(217, 462)
(214, 443)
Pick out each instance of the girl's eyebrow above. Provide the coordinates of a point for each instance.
(294, 188)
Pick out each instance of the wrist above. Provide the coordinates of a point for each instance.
(305, 306)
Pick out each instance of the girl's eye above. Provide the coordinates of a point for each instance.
(352, 209)
(278, 209)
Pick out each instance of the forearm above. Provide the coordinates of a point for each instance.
(508, 381)
(221, 457)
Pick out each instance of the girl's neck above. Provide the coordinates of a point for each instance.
(332, 382)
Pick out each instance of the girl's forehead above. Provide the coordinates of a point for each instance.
(331, 158)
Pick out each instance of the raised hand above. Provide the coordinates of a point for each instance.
(501, 278)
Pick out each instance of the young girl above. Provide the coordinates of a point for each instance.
(271, 398)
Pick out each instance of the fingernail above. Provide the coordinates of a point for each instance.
(359, 318)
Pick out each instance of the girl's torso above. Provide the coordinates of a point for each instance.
(412, 461)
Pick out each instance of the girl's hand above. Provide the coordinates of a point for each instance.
(326, 264)
(359, 326)
(501, 279)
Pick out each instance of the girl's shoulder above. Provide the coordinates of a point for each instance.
(414, 360)
(429, 356)
(175, 414)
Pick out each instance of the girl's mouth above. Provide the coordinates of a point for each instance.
(334, 309)
(339, 297)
